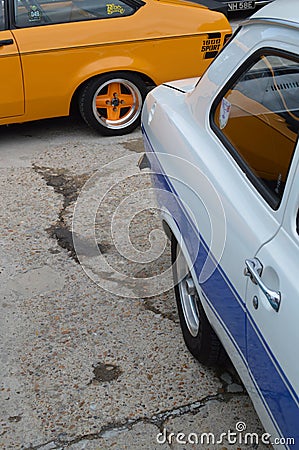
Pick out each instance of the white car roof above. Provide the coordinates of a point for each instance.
(280, 10)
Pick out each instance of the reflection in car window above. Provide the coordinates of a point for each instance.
(2, 15)
(258, 117)
(30, 13)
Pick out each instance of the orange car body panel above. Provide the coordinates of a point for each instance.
(163, 40)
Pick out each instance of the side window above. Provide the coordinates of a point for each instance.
(30, 13)
(2, 15)
(257, 118)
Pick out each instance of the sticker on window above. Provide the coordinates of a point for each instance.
(35, 15)
(224, 113)
(112, 9)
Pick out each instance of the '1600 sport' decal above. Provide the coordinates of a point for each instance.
(211, 46)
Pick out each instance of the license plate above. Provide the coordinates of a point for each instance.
(240, 6)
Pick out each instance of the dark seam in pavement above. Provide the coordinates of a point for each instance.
(157, 420)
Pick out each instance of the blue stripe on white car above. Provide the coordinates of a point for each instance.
(275, 391)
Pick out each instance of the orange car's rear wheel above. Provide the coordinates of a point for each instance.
(112, 103)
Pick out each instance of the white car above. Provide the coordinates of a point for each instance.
(224, 156)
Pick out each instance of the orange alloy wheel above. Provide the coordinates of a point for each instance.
(113, 104)
(116, 101)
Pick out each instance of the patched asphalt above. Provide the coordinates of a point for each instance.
(84, 366)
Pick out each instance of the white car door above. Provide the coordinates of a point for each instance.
(257, 118)
(272, 328)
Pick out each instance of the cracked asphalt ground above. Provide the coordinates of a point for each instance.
(83, 367)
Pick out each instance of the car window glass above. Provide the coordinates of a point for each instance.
(29, 13)
(2, 15)
(258, 117)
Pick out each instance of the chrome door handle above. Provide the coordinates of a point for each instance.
(254, 270)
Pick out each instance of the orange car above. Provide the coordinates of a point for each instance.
(101, 55)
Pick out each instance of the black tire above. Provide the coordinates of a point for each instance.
(199, 336)
(119, 98)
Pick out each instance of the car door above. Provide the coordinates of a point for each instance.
(257, 118)
(273, 311)
(57, 41)
(11, 82)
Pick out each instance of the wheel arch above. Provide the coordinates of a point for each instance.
(73, 108)
(199, 335)
(172, 230)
